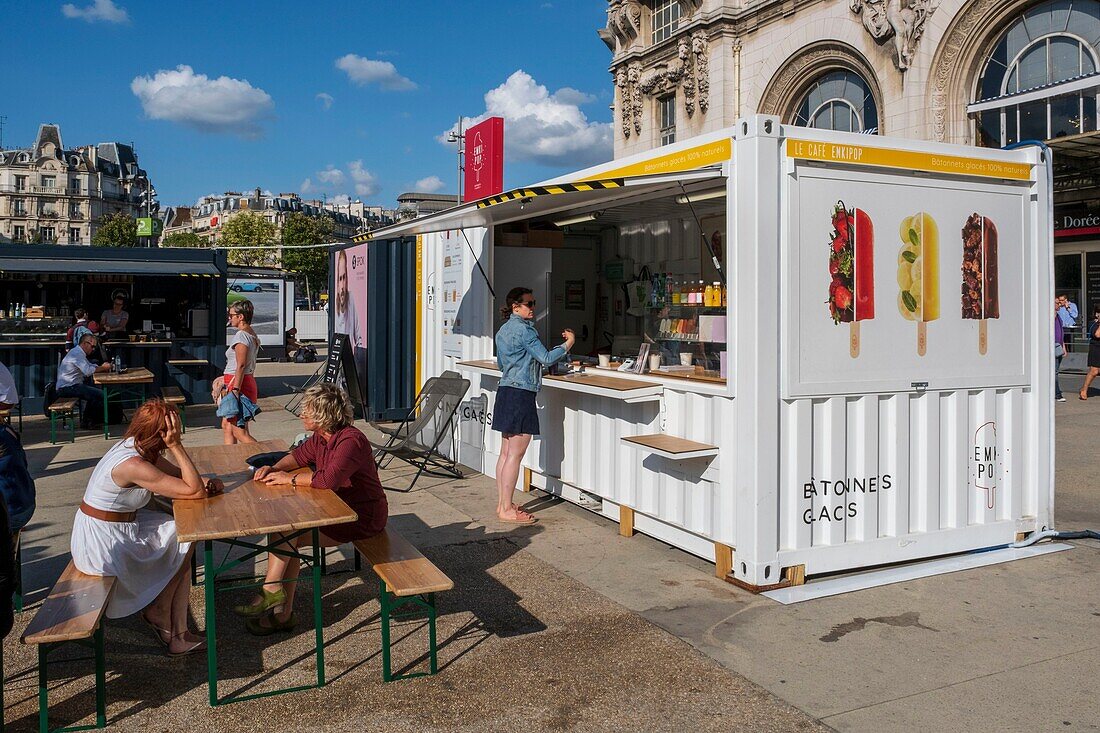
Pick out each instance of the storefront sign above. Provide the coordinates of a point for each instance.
(817, 492)
(484, 163)
(1092, 282)
(984, 468)
(1076, 225)
(688, 159)
(907, 159)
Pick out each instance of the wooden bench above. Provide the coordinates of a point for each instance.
(63, 409)
(173, 396)
(73, 612)
(405, 577)
(5, 415)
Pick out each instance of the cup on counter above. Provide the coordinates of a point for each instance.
(685, 359)
(654, 362)
(605, 361)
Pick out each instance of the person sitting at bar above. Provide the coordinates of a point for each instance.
(74, 370)
(81, 327)
(114, 320)
(341, 459)
(115, 534)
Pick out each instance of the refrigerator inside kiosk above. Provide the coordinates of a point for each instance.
(799, 351)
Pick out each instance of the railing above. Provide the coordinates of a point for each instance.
(49, 214)
(47, 189)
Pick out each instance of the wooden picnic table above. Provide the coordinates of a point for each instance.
(122, 383)
(247, 509)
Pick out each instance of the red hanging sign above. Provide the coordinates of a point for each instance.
(484, 161)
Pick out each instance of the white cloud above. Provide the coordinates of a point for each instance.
(545, 128)
(210, 105)
(431, 184)
(365, 71)
(326, 100)
(340, 199)
(100, 10)
(331, 175)
(306, 187)
(365, 182)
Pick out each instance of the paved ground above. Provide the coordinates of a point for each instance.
(567, 626)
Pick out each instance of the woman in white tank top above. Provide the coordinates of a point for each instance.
(115, 534)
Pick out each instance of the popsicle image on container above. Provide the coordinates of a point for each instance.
(852, 271)
(980, 289)
(919, 273)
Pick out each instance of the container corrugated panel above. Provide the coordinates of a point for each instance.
(858, 469)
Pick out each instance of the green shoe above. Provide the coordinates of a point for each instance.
(267, 625)
(270, 600)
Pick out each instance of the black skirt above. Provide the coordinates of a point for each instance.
(1094, 353)
(515, 412)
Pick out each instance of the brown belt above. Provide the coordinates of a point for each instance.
(105, 516)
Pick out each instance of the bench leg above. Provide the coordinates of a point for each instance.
(388, 603)
(211, 636)
(431, 633)
(384, 602)
(53, 428)
(100, 680)
(17, 597)
(318, 622)
(43, 691)
(183, 418)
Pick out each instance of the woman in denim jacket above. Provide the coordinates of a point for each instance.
(520, 356)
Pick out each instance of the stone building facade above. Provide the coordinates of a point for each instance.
(969, 72)
(56, 195)
(921, 66)
(212, 212)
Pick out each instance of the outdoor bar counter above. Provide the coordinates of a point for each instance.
(176, 291)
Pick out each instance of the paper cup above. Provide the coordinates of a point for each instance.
(685, 359)
(605, 360)
(654, 362)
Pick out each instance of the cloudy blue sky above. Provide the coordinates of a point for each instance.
(334, 98)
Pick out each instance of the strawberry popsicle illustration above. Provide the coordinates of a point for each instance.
(980, 297)
(919, 273)
(851, 271)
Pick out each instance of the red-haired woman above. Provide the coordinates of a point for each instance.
(114, 534)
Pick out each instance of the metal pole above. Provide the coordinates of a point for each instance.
(460, 139)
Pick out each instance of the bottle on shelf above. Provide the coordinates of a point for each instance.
(675, 288)
(708, 296)
(723, 296)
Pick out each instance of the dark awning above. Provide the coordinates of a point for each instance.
(119, 267)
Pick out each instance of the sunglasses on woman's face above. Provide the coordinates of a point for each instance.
(529, 303)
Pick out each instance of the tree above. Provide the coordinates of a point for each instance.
(184, 239)
(247, 229)
(311, 264)
(116, 230)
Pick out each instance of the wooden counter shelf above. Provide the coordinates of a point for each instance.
(669, 446)
(188, 362)
(600, 385)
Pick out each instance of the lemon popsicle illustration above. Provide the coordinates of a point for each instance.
(919, 273)
(851, 271)
(980, 292)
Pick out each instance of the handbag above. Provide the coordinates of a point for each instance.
(1059, 351)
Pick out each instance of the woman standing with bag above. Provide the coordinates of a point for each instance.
(520, 356)
(237, 393)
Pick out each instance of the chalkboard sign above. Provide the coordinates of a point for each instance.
(340, 369)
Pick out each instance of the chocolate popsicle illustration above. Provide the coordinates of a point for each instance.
(919, 273)
(980, 293)
(852, 271)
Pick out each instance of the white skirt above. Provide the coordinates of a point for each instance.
(143, 556)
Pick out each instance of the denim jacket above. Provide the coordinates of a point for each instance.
(520, 354)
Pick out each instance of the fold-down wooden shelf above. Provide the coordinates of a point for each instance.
(670, 446)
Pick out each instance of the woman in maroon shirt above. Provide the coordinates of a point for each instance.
(341, 460)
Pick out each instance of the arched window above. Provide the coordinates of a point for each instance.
(1040, 81)
(838, 100)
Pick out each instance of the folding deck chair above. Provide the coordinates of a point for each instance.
(431, 419)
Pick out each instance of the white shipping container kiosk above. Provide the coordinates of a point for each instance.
(911, 431)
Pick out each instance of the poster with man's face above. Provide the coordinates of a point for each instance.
(350, 304)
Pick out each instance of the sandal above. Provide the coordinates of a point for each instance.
(196, 646)
(158, 631)
(256, 626)
(1082, 396)
(267, 602)
(521, 517)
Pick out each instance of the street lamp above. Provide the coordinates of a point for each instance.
(460, 138)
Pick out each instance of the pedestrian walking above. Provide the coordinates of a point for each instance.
(236, 393)
(1094, 352)
(520, 356)
(1059, 351)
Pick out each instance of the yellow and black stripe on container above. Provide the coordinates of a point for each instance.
(532, 192)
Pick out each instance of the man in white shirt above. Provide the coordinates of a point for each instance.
(9, 396)
(74, 369)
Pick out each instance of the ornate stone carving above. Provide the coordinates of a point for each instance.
(701, 51)
(633, 76)
(901, 19)
(947, 63)
(782, 88)
(624, 22)
(625, 114)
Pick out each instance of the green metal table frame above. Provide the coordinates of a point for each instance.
(136, 392)
(211, 571)
(96, 643)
